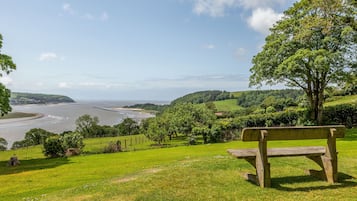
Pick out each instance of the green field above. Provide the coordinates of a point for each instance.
(227, 105)
(338, 100)
(201, 172)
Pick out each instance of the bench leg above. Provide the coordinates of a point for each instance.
(262, 176)
(263, 173)
(261, 162)
(329, 168)
(327, 162)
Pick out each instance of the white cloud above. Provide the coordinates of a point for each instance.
(209, 46)
(48, 56)
(262, 19)
(214, 8)
(104, 16)
(6, 80)
(67, 8)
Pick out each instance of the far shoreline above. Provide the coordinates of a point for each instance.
(21, 118)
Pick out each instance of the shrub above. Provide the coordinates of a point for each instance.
(113, 147)
(53, 147)
(285, 118)
(72, 140)
(345, 114)
(58, 146)
(19, 144)
(3, 144)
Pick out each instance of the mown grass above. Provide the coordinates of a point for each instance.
(227, 105)
(338, 100)
(202, 172)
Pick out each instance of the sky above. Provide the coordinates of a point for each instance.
(134, 49)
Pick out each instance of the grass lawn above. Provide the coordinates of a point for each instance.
(201, 172)
(342, 100)
(227, 105)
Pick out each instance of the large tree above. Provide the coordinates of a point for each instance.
(6, 66)
(314, 45)
(87, 125)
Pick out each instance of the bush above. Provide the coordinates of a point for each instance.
(3, 144)
(19, 144)
(285, 118)
(53, 147)
(113, 147)
(72, 140)
(58, 146)
(345, 114)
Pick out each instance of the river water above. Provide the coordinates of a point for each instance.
(61, 117)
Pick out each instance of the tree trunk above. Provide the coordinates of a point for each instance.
(320, 108)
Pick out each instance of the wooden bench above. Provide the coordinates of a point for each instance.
(325, 157)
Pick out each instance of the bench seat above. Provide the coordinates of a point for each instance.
(280, 152)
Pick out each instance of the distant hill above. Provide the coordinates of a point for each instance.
(203, 97)
(30, 98)
(148, 107)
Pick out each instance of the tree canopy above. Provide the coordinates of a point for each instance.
(6, 66)
(314, 45)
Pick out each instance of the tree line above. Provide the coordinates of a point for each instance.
(56, 145)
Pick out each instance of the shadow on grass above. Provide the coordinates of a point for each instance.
(344, 181)
(32, 164)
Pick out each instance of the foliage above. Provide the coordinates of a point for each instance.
(37, 136)
(113, 147)
(6, 67)
(156, 130)
(72, 140)
(56, 145)
(128, 127)
(279, 99)
(3, 144)
(87, 125)
(202, 97)
(285, 118)
(345, 114)
(19, 144)
(203, 131)
(29, 98)
(313, 46)
(148, 106)
(53, 147)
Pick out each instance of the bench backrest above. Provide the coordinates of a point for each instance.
(293, 133)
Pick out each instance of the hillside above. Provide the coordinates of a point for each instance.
(30, 98)
(203, 97)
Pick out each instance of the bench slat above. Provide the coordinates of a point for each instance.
(292, 133)
(279, 152)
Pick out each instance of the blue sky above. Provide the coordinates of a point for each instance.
(134, 49)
